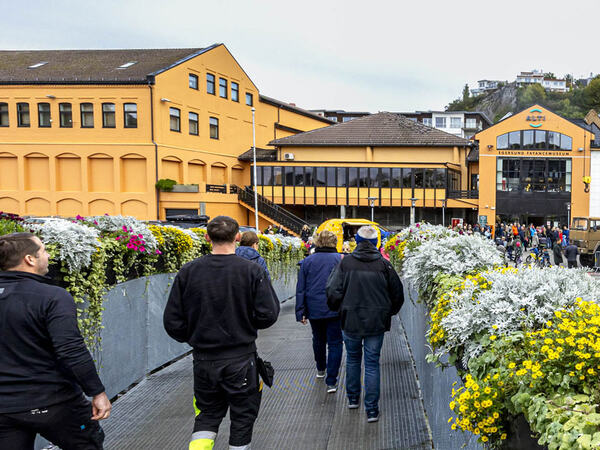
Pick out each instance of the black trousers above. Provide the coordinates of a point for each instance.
(572, 263)
(67, 425)
(227, 384)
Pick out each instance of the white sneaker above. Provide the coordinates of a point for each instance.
(320, 374)
(332, 389)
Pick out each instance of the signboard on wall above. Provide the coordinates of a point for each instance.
(482, 221)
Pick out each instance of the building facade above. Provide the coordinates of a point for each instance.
(536, 76)
(91, 132)
(532, 168)
(384, 160)
(459, 123)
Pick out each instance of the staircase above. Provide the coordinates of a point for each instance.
(271, 211)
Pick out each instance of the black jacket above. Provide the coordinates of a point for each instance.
(217, 304)
(366, 290)
(571, 252)
(43, 359)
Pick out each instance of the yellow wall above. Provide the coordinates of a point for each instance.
(488, 154)
(70, 171)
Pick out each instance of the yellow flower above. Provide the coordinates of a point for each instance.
(493, 337)
(503, 436)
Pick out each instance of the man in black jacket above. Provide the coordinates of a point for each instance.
(44, 363)
(216, 305)
(367, 291)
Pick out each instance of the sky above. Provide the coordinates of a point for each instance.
(352, 55)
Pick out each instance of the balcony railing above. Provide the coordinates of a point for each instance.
(470, 194)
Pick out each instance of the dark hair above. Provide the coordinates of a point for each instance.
(222, 230)
(14, 247)
(249, 238)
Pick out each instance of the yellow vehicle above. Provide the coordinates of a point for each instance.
(345, 229)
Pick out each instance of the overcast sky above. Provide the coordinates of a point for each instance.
(341, 54)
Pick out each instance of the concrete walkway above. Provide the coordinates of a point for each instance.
(296, 413)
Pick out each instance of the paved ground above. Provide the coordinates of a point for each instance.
(296, 414)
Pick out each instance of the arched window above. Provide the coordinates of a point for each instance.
(534, 140)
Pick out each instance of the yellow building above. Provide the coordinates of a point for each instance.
(532, 167)
(91, 131)
(383, 158)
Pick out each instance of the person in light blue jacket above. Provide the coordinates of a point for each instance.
(248, 249)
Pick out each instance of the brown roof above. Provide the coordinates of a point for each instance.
(380, 130)
(262, 154)
(90, 66)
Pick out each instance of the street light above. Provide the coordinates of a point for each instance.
(569, 215)
(254, 160)
(372, 203)
(413, 203)
(444, 212)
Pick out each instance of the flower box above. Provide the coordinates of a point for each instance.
(185, 188)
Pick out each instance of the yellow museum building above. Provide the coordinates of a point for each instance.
(91, 131)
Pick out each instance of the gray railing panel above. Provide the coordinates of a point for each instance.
(436, 384)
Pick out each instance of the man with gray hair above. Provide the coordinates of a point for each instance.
(367, 291)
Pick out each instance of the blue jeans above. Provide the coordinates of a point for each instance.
(328, 333)
(354, 352)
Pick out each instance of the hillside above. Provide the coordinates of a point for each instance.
(510, 98)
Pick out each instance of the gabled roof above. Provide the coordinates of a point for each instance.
(293, 108)
(383, 129)
(262, 154)
(91, 66)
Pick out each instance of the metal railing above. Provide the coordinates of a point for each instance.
(271, 210)
(474, 193)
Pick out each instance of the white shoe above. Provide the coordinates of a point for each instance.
(320, 374)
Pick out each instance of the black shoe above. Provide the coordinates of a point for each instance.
(353, 403)
(372, 416)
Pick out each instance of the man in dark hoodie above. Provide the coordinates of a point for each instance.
(217, 305)
(367, 291)
(248, 249)
(45, 367)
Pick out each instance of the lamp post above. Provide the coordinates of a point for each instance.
(372, 204)
(254, 161)
(444, 213)
(413, 203)
(569, 215)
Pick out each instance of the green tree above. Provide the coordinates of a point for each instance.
(591, 95)
(531, 95)
(465, 93)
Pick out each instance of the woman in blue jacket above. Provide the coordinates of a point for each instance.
(311, 306)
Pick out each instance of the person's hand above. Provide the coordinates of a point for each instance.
(304, 320)
(101, 407)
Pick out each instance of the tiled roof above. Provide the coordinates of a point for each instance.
(90, 66)
(262, 154)
(381, 129)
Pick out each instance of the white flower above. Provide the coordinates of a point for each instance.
(116, 223)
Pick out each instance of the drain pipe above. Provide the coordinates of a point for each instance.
(157, 192)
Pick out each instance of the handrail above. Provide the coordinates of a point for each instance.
(471, 194)
(271, 210)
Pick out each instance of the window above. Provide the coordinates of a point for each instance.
(23, 114)
(553, 140)
(130, 115)
(373, 177)
(341, 177)
(528, 139)
(427, 121)
(331, 181)
(127, 64)
(455, 122)
(384, 177)
(440, 122)
(214, 127)
(353, 177)
(210, 83)
(193, 121)
(40, 64)
(235, 92)
(429, 178)
(87, 115)
(418, 176)
(308, 176)
(514, 140)
(3, 114)
(277, 181)
(502, 142)
(566, 143)
(288, 175)
(347, 119)
(363, 177)
(396, 177)
(175, 119)
(65, 113)
(249, 99)
(470, 123)
(319, 176)
(222, 88)
(407, 177)
(540, 139)
(298, 176)
(108, 115)
(193, 81)
(268, 176)
(44, 118)
(440, 178)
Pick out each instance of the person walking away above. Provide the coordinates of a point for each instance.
(311, 306)
(557, 253)
(248, 249)
(367, 291)
(45, 367)
(305, 233)
(217, 305)
(565, 236)
(571, 253)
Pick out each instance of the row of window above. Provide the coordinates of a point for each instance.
(65, 112)
(373, 177)
(537, 175)
(175, 123)
(223, 89)
(534, 139)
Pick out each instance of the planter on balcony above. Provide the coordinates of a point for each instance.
(185, 188)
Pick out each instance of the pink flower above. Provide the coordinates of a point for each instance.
(393, 247)
(118, 238)
(158, 252)
(142, 249)
(95, 223)
(130, 245)
(124, 228)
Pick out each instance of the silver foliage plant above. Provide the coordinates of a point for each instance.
(111, 224)
(75, 243)
(287, 242)
(517, 300)
(424, 231)
(455, 255)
